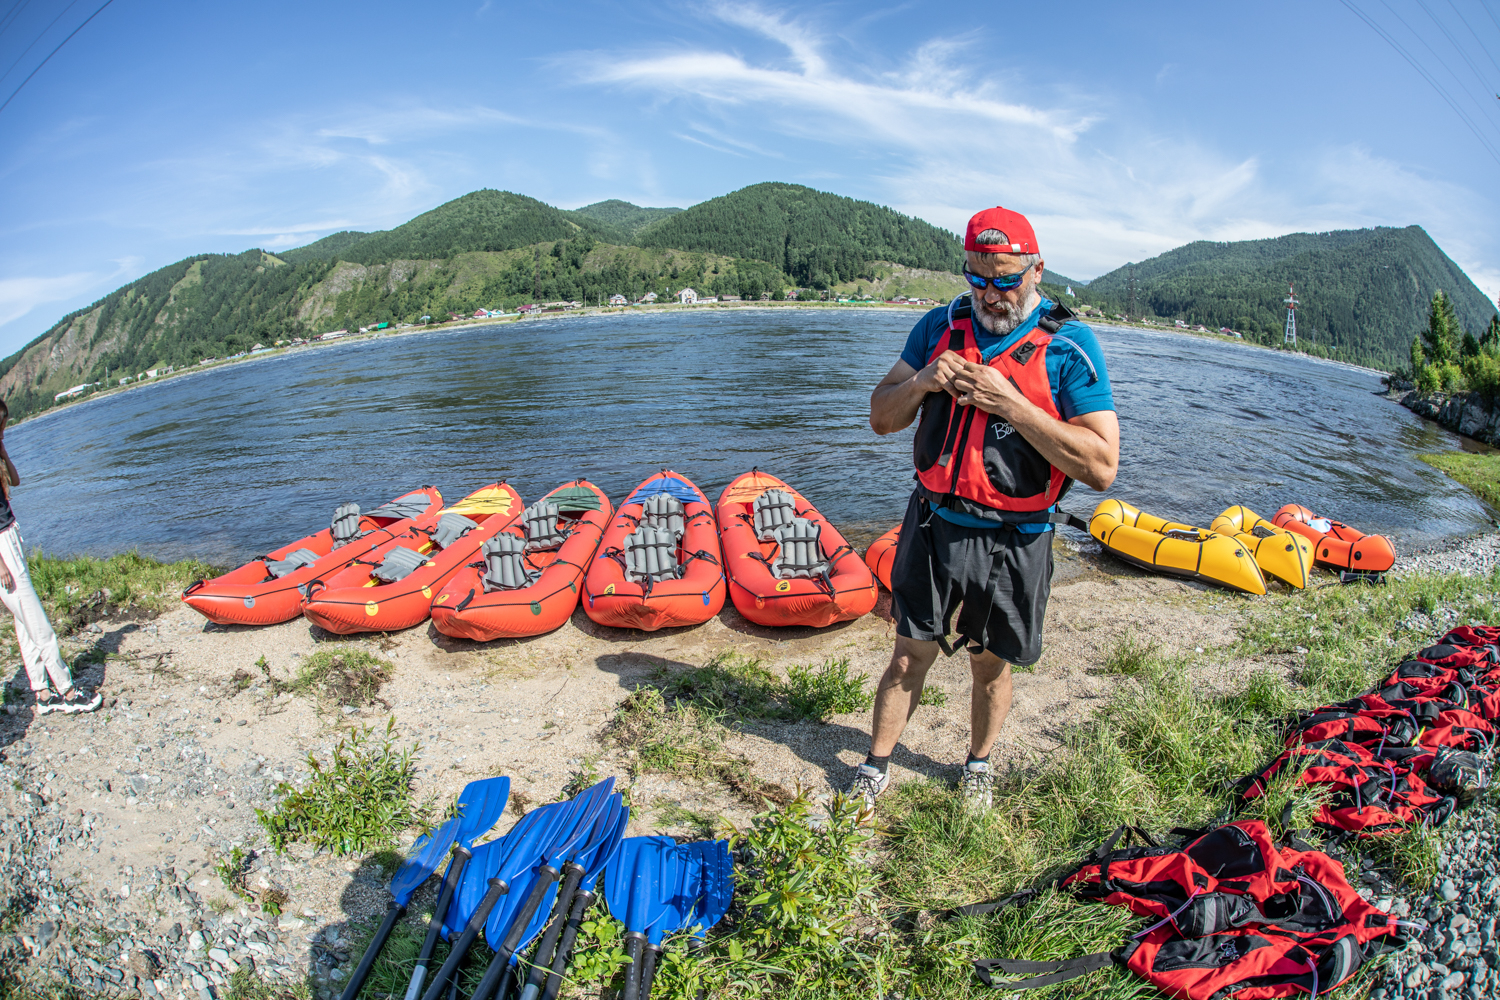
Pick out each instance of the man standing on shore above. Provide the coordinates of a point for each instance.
(39, 649)
(1015, 405)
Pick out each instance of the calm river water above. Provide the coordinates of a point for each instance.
(227, 464)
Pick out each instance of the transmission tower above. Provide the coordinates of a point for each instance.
(1130, 312)
(1291, 315)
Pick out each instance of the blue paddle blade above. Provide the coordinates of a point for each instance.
(486, 864)
(618, 876)
(608, 853)
(480, 805)
(611, 828)
(662, 914)
(718, 886)
(518, 867)
(574, 821)
(426, 854)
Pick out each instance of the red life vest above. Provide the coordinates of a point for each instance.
(972, 461)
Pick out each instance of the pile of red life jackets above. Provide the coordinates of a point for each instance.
(1406, 753)
(1236, 914)
(1240, 915)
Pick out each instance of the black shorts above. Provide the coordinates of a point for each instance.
(1000, 576)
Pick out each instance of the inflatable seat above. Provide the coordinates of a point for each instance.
(293, 561)
(398, 564)
(665, 512)
(774, 510)
(542, 533)
(651, 553)
(798, 554)
(345, 525)
(505, 563)
(450, 528)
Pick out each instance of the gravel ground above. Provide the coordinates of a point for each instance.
(1474, 556)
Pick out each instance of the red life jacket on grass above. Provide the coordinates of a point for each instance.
(975, 462)
(1236, 915)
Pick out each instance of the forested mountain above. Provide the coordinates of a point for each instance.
(1363, 293)
(481, 220)
(627, 218)
(818, 239)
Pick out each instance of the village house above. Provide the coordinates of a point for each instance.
(648, 297)
(687, 297)
(617, 300)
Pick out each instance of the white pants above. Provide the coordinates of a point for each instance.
(39, 649)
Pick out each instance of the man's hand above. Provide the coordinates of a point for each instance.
(980, 385)
(7, 582)
(939, 376)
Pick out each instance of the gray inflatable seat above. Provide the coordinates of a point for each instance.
(505, 564)
(665, 512)
(774, 509)
(651, 554)
(541, 527)
(292, 563)
(411, 505)
(798, 554)
(398, 564)
(450, 528)
(345, 526)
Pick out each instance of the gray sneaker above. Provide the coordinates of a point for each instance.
(868, 783)
(976, 786)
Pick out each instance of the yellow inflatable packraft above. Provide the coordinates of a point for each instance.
(1179, 549)
(1280, 553)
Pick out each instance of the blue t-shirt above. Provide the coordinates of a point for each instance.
(1075, 369)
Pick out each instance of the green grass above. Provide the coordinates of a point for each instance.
(359, 800)
(78, 590)
(1480, 473)
(735, 687)
(340, 677)
(933, 696)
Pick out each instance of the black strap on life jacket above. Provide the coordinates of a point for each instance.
(1056, 972)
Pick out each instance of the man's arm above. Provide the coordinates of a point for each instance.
(1086, 448)
(898, 397)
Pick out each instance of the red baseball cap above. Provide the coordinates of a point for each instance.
(1018, 234)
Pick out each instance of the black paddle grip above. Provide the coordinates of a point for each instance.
(581, 904)
(542, 960)
(371, 953)
(435, 926)
(500, 964)
(648, 970)
(635, 942)
(498, 888)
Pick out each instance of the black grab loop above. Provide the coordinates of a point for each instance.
(1052, 972)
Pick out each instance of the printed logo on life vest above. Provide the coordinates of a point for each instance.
(1002, 429)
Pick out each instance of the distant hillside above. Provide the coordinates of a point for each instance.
(1364, 293)
(627, 218)
(481, 220)
(818, 239)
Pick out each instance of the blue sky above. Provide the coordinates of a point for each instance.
(165, 129)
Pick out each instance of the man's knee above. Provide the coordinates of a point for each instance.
(910, 663)
(988, 669)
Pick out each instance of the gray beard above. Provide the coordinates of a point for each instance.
(1006, 317)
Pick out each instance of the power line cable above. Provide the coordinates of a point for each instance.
(16, 9)
(1374, 26)
(1482, 47)
(1412, 32)
(1486, 106)
(38, 38)
(1486, 8)
(54, 52)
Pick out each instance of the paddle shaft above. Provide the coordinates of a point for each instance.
(542, 960)
(357, 980)
(648, 970)
(435, 925)
(498, 888)
(581, 904)
(546, 876)
(635, 943)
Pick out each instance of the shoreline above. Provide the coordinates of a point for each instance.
(668, 308)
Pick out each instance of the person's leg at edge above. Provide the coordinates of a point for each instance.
(39, 647)
(989, 704)
(896, 698)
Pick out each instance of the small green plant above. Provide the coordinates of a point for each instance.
(730, 684)
(584, 776)
(343, 677)
(361, 799)
(233, 870)
(701, 824)
(827, 690)
(245, 985)
(1130, 657)
(79, 590)
(933, 695)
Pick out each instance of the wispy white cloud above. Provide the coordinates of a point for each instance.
(707, 145)
(18, 296)
(1102, 189)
